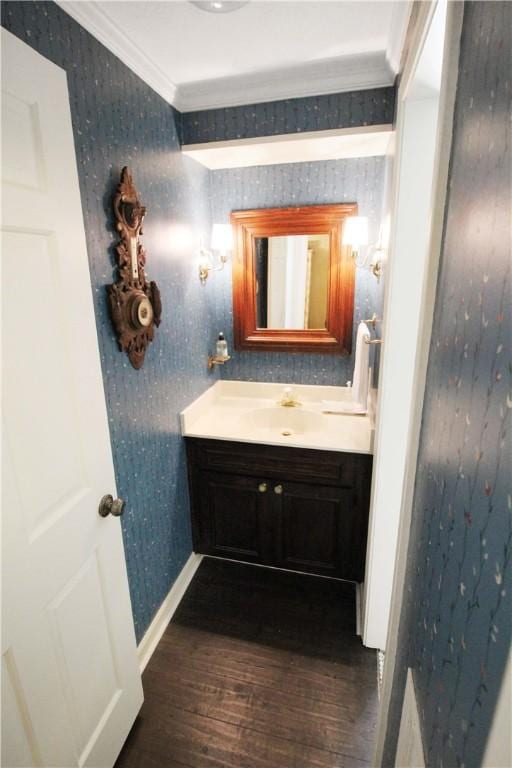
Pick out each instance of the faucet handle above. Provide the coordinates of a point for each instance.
(288, 398)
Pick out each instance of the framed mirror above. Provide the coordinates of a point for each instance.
(293, 281)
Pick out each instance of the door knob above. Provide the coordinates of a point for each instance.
(110, 506)
(278, 489)
(262, 487)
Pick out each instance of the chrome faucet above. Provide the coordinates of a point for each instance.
(288, 399)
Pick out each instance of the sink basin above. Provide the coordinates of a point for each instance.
(248, 412)
(284, 421)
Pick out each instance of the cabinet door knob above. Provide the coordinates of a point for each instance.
(278, 489)
(262, 487)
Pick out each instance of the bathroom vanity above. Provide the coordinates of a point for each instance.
(279, 486)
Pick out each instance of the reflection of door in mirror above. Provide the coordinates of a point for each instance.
(292, 281)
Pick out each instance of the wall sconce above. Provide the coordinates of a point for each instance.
(355, 235)
(222, 244)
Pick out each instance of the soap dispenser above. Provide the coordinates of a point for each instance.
(221, 353)
(222, 347)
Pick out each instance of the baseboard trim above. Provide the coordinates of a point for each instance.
(359, 609)
(166, 611)
(276, 568)
(409, 750)
(381, 657)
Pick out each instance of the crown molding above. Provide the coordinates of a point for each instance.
(336, 75)
(93, 18)
(344, 73)
(397, 32)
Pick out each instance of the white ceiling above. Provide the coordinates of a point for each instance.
(266, 50)
(191, 45)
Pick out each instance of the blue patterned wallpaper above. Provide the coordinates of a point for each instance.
(375, 106)
(456, 626)
(119, 120)
(359, 180)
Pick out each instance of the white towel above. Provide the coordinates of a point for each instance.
(343, 406)
(361, 378)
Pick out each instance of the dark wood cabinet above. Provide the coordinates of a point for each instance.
(311, 528)
(299, 509)
(233, 518)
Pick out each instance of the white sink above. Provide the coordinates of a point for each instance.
(287, 422)
(249, 412)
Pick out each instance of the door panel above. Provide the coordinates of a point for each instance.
(21, 159)
(58, 478)
(309, 532)
(235, 517)
(68, 642)
(18, 741)
(84, 651)
(353, 534)
(310, 528)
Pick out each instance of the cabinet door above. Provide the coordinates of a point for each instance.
(233, 518)
(320, 530)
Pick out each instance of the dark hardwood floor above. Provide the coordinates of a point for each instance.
(258, 669)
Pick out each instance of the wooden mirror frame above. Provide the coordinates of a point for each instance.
(307, 220)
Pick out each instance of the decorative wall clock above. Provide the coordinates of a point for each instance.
(135, 304)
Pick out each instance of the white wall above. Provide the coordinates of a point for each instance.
(406, 276)
(453, 13)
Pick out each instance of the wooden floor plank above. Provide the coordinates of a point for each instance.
(257, 669)
(343, 727)
(182, 738)
(263, 666)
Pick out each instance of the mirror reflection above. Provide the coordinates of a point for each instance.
(292, 279)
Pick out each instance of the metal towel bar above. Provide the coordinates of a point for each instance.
(372, 321)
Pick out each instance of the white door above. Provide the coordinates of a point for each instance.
(71, 683)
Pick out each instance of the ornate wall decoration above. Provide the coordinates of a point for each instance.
(135, 304)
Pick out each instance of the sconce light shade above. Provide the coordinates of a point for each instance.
(222, 244)
(355, 231)
(222, 238)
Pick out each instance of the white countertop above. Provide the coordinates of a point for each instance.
(249, 412)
